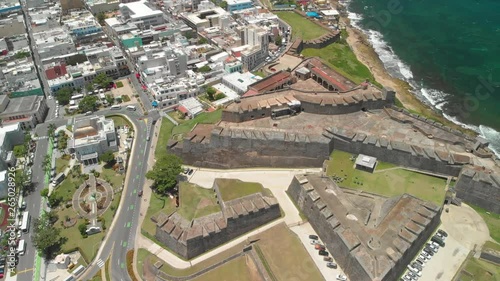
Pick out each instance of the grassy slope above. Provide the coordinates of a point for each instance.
(234, 270)
(191, 197)
(481, 271)
(231, 189)
(301, 27)
(492, 221)
(388, 183)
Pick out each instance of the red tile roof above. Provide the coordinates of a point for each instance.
(270, 82)
(330, 79)
(56, 71)
(250, 93)
(182, 109)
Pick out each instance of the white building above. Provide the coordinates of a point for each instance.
(204, 18)
(28, 111)
(257, 39)
(141, 13)
(54, 42)
(190, 107)
(239, 82)
(92, 136)
(10, 136)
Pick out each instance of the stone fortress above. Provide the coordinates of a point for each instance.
(297, 118)
(238, 216)
(371, 237)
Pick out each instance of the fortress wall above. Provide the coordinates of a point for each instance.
(190, 246)
(225, 151)
(343, 109)
(479, 188)
(238, 117)
(398, 157)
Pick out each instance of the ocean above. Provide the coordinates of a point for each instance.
(449, 51)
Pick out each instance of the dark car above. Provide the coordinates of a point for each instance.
(313, 237)
(140, 193)
(442, 232)
(429, 251)
(323, 253)
(190, 172)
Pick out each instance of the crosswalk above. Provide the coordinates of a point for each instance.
(40, 138)
(100, 263)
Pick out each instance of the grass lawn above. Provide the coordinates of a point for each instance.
(340, 58)
(492, 221)
(204, 118)
(387, 183)
(166, 268)
(114, 178)
(196, 201)
(120, 121)
(492, 245)
(19, 151)
(233, 188)
(119, 84)
(142, 254)
(286, 256)
(68, 187)
(260, 73)
(236, 269)
(481, 271)
(61, 165)
(164, 137)
(156, 204)
(125, 98)
(301, 27)
(88, 246)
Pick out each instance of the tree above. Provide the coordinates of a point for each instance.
(46, 238)
(44, 192)
(278, 40)
(102, 80)
(88, 103)
(202, 40)
(204, 69)
(211, 91)
(101, 17)
(51, 130)
(107, 157)
(47, 163)
(223, 5)
(83, 229)
(110, 99)
(64, 95)
(165, 172)
(89, 87)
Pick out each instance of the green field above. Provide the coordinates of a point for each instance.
(196, 201)
(168, 129)
(233, 188)
(120, 121)
(61, 165)
(388, 183)
(285, 255)
(157, 203)
(236, 269)
(301, 27)
(68, 187)
(479, 270)
(492, 221)
(340, 58)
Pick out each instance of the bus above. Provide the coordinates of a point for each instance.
(21, 247)
(77, 97)
(116, 107)
(131, 107)
(25, 225)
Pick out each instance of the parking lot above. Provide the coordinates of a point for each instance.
(303, 231)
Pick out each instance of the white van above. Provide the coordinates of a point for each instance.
(131, 107)
(116, 106)
(21, 247)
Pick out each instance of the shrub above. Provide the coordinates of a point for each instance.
(83, 230)
(125, 98)
(119, 84)
(44, 192)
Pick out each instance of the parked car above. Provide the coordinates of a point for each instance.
(417, 265)
(323, 253)
(429, 251)
(442, 232)
(319, 247)
(327, 259)
(412, 275)
(313, 237)
(341, 277)
(331, 265)
(438, 240)
(139, 193)
(421, 262)
(415, 270)
(314, 242)
(190, 172)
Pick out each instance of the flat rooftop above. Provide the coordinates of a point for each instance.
(20, 105)
(139, 9)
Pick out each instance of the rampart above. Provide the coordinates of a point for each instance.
(374, 244)
(481, 188)
(397, 152)
(193, 238)
(251, 147)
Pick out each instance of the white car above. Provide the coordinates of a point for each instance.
(415, 270)
(341, 277)
(314, 242)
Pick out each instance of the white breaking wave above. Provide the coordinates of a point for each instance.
(398, 69)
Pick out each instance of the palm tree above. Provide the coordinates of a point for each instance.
(51, 130)
(47, 163)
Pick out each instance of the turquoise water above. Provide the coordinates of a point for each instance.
(448, 50)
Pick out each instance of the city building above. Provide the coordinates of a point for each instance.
(100, 6)
(257, 39)
(28, 111)
(236, 5)
(68, 5)
(10, 136)
(92, 136)
(83, 26)
(100, 59)
(141, 13)
(239, 82)
(53, 42)
(12, 26)
(19, 78)
(204, 18)
(190, 107)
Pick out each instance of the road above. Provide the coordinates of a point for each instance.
(121, 235)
